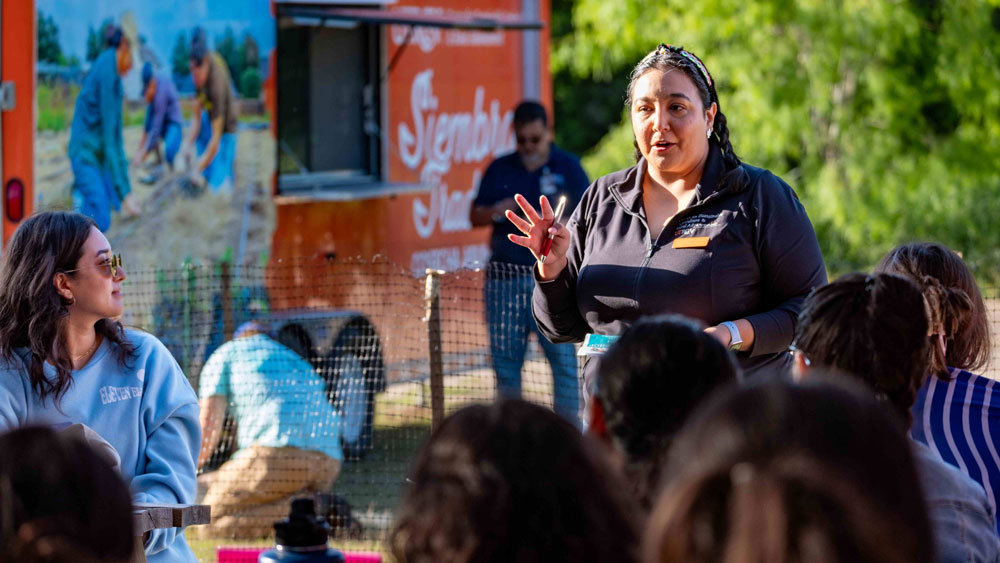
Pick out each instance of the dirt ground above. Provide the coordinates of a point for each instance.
(175, 225)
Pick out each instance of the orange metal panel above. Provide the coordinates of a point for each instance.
(18, 45)
(544, 12)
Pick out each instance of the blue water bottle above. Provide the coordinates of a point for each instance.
(301, 538)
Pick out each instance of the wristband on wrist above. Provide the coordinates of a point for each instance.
(735, 340)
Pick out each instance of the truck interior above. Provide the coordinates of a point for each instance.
(332, 75)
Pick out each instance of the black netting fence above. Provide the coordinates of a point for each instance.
(370, 356)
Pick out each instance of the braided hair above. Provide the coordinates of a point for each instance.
(874, 328)
(667, 57)
(964, 323)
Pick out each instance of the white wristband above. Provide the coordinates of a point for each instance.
(735, 340)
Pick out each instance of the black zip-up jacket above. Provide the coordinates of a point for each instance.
(750, 253)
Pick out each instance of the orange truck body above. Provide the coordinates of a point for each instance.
(17, 66)
(446, 111)
(447, 106)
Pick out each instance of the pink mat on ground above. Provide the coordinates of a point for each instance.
(232, 554)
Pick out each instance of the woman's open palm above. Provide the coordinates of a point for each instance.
(536, 228)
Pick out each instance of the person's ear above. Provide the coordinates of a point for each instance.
(63, 286)
(710, 115)
(598, 427)
(800, 366)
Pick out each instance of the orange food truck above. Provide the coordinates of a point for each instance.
(387, 115)
(407, 103)
(379, 117)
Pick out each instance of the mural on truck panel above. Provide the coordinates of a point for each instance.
(451, 100)
(174, 160)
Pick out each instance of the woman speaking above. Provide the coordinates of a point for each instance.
(689, 229)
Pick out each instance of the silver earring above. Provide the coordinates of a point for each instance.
(708, 134)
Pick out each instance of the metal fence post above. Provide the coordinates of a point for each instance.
(432, 316)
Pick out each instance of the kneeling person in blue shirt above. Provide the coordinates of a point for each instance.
(287, 430)
(163, 117)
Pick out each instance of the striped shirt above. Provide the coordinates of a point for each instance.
(960, 419)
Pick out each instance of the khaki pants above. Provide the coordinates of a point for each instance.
(252, 492)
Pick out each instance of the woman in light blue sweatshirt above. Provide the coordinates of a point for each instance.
(64, 358)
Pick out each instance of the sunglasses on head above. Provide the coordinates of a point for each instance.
(112, 266)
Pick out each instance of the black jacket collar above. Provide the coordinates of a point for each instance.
(629, 191)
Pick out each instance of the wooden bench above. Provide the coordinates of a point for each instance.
(153, 516)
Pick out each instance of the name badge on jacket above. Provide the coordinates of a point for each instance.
(691, 242)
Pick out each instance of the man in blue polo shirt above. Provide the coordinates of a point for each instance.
(537, 168)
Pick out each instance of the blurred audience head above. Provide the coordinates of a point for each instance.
(512, 481)
(779, 471)
(647, 384)
(60, 501)
(960, 327)
(872, 327)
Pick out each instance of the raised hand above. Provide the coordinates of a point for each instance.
(536, 228)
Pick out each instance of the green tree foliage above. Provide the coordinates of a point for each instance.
(179, 56)
(49, 50)
(243, 60)
(231, 52)
(585, 105)
(250, 83)
(251, 52)
(884, 116)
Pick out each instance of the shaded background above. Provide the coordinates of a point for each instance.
(883, 116)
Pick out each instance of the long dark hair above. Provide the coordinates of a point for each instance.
(668, 57)
(32, 312)
(960, 309)
(512, 481)
(872, 327)
(779, 471)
